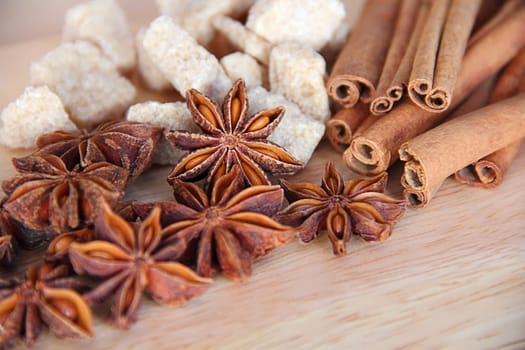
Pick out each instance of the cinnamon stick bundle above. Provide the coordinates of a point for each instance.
(376, 148)
(489, 171)
(354, 78)
(406, 20)
(440, 52)
(433, 156)
(391, 89)
(340, 128)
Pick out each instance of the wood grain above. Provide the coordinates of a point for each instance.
(452, 275)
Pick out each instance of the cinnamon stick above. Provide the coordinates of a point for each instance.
(440, 52)
(405, 23)
(354, 78)
(340, 128)
(477, 99)
(433, 156)
(511, 78)
(376, 148)
(489, 171)
(506, 10)
(486, 12)
(385, 100)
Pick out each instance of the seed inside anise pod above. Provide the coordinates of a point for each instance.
(58, 248)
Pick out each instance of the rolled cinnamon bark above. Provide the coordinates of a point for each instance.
(511, 78)
(354, 78)
(486, 12)
(372, 152)
(440, 52)
(506, 10)
(340, 128)
(404, 27)
(476, 100)
(365, 124)
(384, 102)
(424, 65)
(433, 156)
(489, 171)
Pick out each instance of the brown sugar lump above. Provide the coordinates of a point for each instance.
(151, 75)
(103, 23)
(240, 65)
(297, 72)
(36, 112)
(184, 62)
(87, 82)
(309, 22)
(243, 38)
(170, 116)
(196, 16)
(298, 133)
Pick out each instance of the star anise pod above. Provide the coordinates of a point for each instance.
(46, 198)
(228, 228)
(230, 137)
(132, 258)
(359, 206)
(127, 144)
(47, 295)
(7, 230)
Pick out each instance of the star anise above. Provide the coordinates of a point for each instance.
(47, 295)
(228, 228)
(230, 137)
(7, 230)
(46, 198)
(132, 258)
(359, 206)
(127, 144)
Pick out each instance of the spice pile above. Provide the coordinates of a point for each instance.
(68, 191)
(249, 118)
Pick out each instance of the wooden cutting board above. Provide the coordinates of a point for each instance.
(451, 276)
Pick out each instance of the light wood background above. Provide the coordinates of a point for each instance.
(452, 275)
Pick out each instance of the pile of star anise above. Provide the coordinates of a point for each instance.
(67, 195)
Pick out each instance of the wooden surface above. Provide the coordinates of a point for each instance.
(452, 275)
